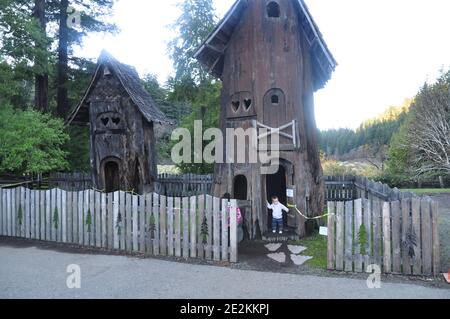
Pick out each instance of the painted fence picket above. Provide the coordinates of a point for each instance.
(406, 230)
(93, 218)
(367, 220)
(135, 222)
(416, 234)
(13, 211)
(216, 229)
(98, 220)
(177, 226)
(2, 208)
(144, 201)
(225, 225)
(340, 207)
(426, 231)
(208, 227)
(199, 222)
(120, 221)
(194, 221)
(116, 222)
(103, 207)
(387, 254)
(396, 237)
(81, 200)
(155, 225)
(64, 195)
(233, 232)
(162, 225)
(33, 211)
(435, 229)
(69, 215)
(377, 232)
(74, 217)
(186, 213)
(111, 214)
(331, 257)
(359, 235)
(128, 223)
(349, 236)
(170, 218)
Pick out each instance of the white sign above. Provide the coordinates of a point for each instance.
(323, 231)
(290, 193)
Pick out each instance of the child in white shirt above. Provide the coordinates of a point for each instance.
(277, 214)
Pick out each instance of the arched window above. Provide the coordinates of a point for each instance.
(273, 10)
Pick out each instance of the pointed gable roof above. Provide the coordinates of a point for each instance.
(130, 81)
(212, 51)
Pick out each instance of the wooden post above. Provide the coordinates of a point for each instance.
(186, 226)
(331, 257)
(387, 267)
(367, 209)
(193, 229)
(225, 225)
(427, 237)
(396, 237)
(233, 232)
(358, 225)
(170, 217)
(349, 236)
(406, 229)
(435, 229)
(340, 211)
(417, 261)
(178, 214)
(163, 230)
(157, 227)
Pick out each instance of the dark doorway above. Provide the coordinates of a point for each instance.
(111, 177)
(276, 186)
(240, 187)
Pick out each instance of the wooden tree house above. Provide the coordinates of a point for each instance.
(121, 115)
(271, 58)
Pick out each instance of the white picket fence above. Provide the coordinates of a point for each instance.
(201, 227)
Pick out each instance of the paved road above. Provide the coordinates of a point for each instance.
(37, 273)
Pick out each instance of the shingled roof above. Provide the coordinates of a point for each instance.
(212, 51)
(129, 78)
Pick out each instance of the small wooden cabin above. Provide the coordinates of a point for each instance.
(271, 58)
(121, 115)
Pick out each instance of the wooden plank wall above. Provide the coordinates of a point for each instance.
(197, 227)
(400, 236)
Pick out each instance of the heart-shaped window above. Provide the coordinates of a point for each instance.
(105, 121)
(116, 120)
(248, 104)
(235, 105)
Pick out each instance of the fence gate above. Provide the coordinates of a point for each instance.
(400, 237)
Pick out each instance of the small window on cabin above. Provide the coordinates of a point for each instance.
(273, 10)
(275, 99)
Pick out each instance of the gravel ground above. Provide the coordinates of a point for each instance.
(33, 272)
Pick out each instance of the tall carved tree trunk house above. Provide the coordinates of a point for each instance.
(121, 115)
(271, 58)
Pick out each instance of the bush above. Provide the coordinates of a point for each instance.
(30, 142)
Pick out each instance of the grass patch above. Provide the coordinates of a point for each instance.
(317, 248)
(428, 190)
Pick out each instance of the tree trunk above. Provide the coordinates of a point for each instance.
(41, 80)
(63, 61)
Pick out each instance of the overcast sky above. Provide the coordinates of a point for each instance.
(386, 49)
